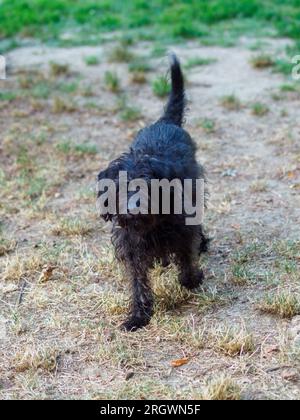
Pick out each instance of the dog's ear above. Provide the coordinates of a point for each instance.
(106, 177)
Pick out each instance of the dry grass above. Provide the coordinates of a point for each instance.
(31, 358)
(17, 267)
(60, 105)
(120, 54)
(262, 61)
(259, 186)
(59, 69)
(231, 103)
(6, 246)
(138, 77)
(284, 304)
(233, 341)
(71, 227)
(211, 299)
(168, 293)
(62, 293)
(220, 389)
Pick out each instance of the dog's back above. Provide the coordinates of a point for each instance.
(166, 141)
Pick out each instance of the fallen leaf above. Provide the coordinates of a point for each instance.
(291, 174)
(180, 362)
(46, 273)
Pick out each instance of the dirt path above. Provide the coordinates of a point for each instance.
(61, 338)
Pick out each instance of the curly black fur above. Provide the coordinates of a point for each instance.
(162, 150)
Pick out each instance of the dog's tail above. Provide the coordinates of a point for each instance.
(174, 110)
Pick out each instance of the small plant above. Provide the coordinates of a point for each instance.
(284, 304)
(16, 267)
(57, 69)
(240, 275)
(85, 149)
(64, 147)
(231, 102)
(259, 109)
(138, 77)
(210, 299)
(41, 90)
(26, 81)
(36, 359)
(7, 96)
(67, 148)
(221, 388)
(130, 114)
(91, 60)
(259, 186)
(6, 246)
(161, 87)
(169, 294)
(199, 61)
(208, 125)
(283, 66)
(288, 88)
(120, 54)
(262, 61)
(59, 105)
(234, 341)
(68, 87)
(112, 81)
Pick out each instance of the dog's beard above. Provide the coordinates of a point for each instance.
(139, 223)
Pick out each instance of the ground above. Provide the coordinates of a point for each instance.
(65, 114)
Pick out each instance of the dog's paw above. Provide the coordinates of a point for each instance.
(134, 323)
(192, 281)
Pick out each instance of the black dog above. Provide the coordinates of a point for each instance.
(161, 151)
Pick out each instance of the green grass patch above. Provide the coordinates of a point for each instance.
(75, 22)
(91, 60)
(208, 125)
(259, 109)
(231, 102)
(112, 81)
(199, 61)
(67, 148)
(161, 86)
(283, 66)
(7, 96)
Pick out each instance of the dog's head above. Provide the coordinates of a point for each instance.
(124, 191)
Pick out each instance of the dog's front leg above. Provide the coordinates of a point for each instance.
(142, 302)
(190, 275)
